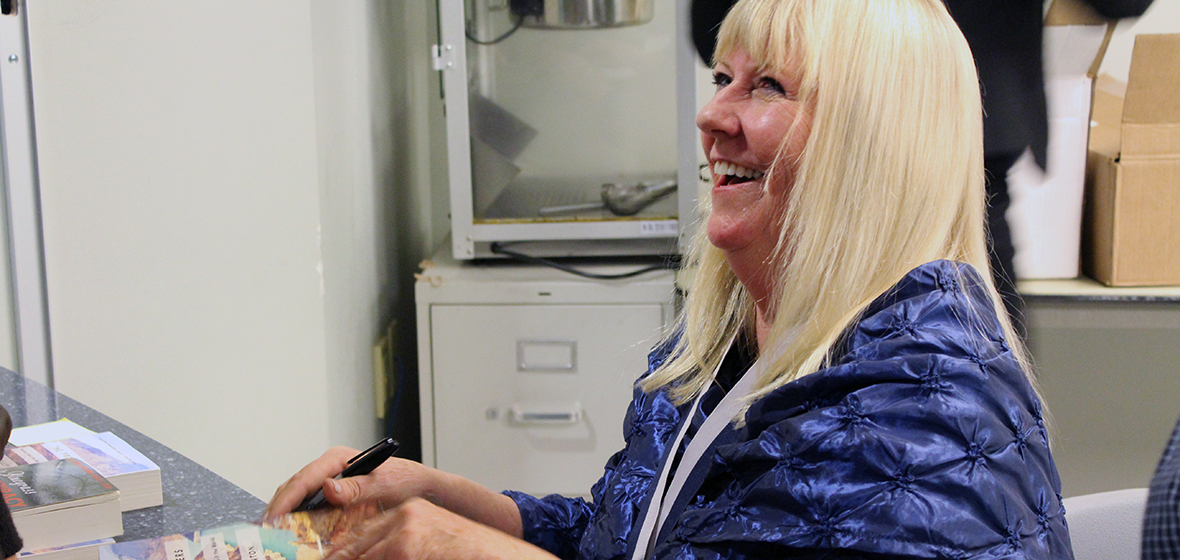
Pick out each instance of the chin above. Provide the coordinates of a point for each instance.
(727, 237)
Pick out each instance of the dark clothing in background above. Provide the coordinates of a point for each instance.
(1006, 41)
(1001, 251)
(10, 542)
(1161, 521)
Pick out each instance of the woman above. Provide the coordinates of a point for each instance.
(849, 387)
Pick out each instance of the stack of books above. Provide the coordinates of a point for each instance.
(82, 517)
(59, 503)
(136, 476)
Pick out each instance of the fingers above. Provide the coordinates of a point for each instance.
(421, 530)
(307, 481)
(403, 532)
(342, 492)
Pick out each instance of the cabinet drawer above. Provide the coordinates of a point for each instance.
(532, 397)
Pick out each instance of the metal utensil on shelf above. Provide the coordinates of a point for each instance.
(621, 200)
(582, 14)
(628, 200)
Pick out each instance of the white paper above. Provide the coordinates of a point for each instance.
(49, 431)
(1046, 211)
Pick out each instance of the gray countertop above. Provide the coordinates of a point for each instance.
(194, 497)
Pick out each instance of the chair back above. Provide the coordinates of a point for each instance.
(1106, 525)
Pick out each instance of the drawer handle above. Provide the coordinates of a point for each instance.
(571, 414)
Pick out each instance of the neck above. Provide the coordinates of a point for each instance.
(756, 277)
(762, 323)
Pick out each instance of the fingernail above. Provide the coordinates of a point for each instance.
(335, 486)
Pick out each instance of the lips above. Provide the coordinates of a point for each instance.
(731, 173)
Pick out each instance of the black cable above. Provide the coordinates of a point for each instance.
(470, 37)
(499, 249)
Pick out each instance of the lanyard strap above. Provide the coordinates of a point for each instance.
(648, 530)
(721, 416)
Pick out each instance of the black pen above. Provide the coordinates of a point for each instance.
(363, 463)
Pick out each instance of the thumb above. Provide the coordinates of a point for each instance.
(342, 492)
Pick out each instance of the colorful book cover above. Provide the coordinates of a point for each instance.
(97, 450)
(51, 485)
(296, 536)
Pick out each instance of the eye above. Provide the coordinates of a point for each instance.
(772, 85)
(721, 79)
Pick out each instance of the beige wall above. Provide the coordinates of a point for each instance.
(215, 195)
(1162, 17)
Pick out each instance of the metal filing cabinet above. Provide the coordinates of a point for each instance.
(526, 372)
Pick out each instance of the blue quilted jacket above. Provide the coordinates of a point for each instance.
(923, 440)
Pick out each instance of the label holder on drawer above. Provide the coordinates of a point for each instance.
(558, 356)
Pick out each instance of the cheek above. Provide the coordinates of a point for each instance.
(706, 142)
(792, 154)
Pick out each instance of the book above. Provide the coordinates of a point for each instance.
(136, 476)
(296, 536)
(62, 502)
(79, 551)
(48, 431)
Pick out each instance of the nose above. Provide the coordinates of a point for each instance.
(718, 117)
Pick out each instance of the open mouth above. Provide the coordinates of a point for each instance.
(730, 173)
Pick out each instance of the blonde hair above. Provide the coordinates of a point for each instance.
(891, 177)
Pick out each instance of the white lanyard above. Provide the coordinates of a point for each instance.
(722, 415)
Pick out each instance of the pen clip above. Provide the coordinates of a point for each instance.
(385, 441)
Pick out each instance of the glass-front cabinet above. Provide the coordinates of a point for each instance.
(569, 125)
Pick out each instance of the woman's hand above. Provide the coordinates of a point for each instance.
(389, 485)
(418, 529)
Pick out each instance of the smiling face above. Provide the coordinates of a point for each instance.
(743, 129)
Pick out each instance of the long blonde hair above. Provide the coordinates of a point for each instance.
(891, 177)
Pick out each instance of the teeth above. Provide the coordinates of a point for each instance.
(726, 168)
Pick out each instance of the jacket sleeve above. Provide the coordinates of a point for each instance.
(1116, 9)
(556, 523)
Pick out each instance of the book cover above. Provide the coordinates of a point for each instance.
(60, 502)
(296, 536)
(52, 485)
(136, 476)
(79, 551)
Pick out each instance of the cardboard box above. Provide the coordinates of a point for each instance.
(1132, 214)
(1046, 212)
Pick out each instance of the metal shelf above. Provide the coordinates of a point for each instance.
(1087, 289)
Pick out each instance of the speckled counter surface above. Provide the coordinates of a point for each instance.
(194, 497)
